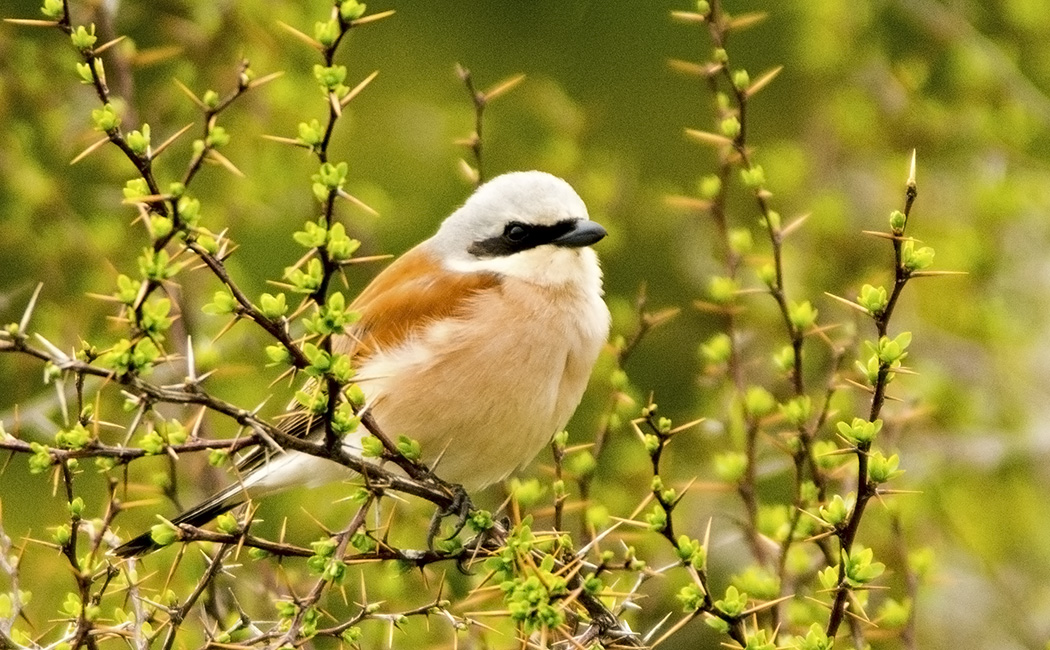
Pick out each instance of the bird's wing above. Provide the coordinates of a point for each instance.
(407, 295)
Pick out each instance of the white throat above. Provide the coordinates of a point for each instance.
(544, 265)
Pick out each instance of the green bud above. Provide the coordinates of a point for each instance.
(882, 469)
(355, 395)
(798, 410)
(105, 119)
(730, 466)
(652, 443)
(84, 72)
(722, 290)
(741, 80)
(480, 520)
(767, 273)
(757, 581)
(720, 55)
(331, 79)
(859, 431)
(730, 127)
(210, 99)
(311, 134)
(278, 354)
(160, 226)
(860, 569)
(40, 460)
(759, 402)
(717, 349)
(710, 186)
(227, 523)
(53, 9)
(740, 241)
(802, 315)
(733, 604)
(371, 447)
(326, 33)
(657, 518)
(913, 259)
(60, 535)
(139, 141)
(189, 210)
(893, 614)
(897, 222)
(836, 511)
(874, 299)
(350, 10)
(691, 596)
(83, 39)
(409, 448)
(703, 7)
(222, 304)
(273, 307)
(76, 438)
(815, 639)
(163, 534)
(582, 464)
(218, 457)
(217, 137)
(527, 492)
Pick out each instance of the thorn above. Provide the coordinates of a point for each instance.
(687, 203)
(744, 21)
(358, 202)
(29, 22)
(688, 17)
(266, 79)
(155, 55)
(503, 87)
(848, 303)
(911, 170)
(189, 93)
(794, 225)
(687, 67)
(24, 323)
(301, 36)
(650, 633)
(90, 150)
(373, 18)
(283, 140)
(763, 81)
(225, 162)
(337, 108)
(708, 138)
(164, 145)
(358, 88)
(468, 172)
(105, 46)
(59, 356)
(191, 371)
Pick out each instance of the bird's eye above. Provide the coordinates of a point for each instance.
(516, 233)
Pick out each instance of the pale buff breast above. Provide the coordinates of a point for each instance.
(502, 386)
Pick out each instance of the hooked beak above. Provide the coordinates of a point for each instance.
(584, 233)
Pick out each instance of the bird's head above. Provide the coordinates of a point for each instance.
(529, 225)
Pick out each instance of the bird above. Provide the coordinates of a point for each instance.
(478, 343)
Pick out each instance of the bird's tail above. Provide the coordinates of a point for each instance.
(198, 515)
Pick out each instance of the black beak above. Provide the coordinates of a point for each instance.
(584, 233)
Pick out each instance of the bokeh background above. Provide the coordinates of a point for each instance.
(965, 83)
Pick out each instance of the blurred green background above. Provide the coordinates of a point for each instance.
(965, 83)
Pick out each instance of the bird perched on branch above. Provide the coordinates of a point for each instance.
(477, 343)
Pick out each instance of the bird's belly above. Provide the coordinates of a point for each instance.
(489, 403)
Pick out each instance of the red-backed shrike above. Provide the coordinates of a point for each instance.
(478, 343)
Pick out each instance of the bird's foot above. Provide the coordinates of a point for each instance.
(460, 508)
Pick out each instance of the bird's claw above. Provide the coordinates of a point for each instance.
(460, 507)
